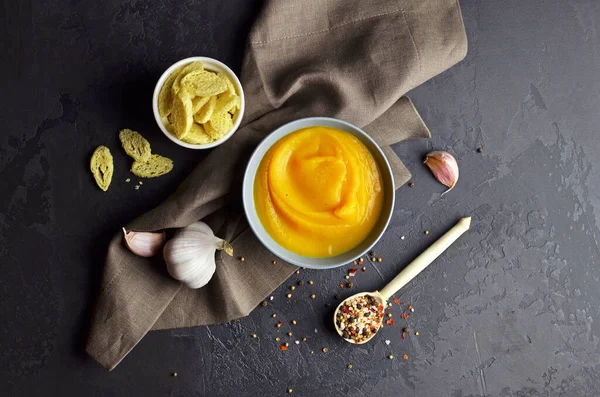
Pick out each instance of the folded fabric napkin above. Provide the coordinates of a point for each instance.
(349, 59)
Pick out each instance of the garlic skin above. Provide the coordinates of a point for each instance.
(190, 254)
(144, 244)
(444, 168)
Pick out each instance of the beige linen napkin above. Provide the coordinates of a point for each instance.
(349, 59)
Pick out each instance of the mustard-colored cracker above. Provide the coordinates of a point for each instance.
(197, 136)
(227, 102)
(165, 96)
(230, 87)
(190, 67)
(183, 118)
(102, 167)
(203, 83)
(135, 144)
(198, 102)
(207, 111)
(153, 167)
(220, 124)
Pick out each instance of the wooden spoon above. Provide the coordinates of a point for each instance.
(407, 274)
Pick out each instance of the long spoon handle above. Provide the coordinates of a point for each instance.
(428, 256)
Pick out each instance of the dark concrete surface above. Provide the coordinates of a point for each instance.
(510, 310)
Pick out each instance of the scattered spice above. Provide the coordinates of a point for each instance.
(360, 318)
(175, 374)
(289, 295)
(274, 262)
(294, 322)
(289, 334)
(304, 339)
(390, 321)
(349, 285)
(391, 357)
(292, 288)
(347, 277)
(283, 347)
(364, 269)
(277, 339)
(264, 303)
(389, 314)
(411, 184)
(325, 350)
(403, 335)
(311, 282)
(271, 298)
(372, 253)
(253, 335)
(137, 187)
(396, 300)
(297, 342)
(405, 356)
(140, 182)
(401, 237)
(360, 260)
(128, 180)
(297, 271)
(405, 329)
(379, 259)
(373, 259)
(412, 309)
(279, 323)
(426, 232)
(289, 390)
(480, 150)
(242, 259)
(349, 366)
(313, 296)
(300, 283)
(286, 344)
(417, 333)
(354, 262)
(274, 315)
(341, 285)
(405, 316)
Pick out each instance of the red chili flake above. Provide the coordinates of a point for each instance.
(283, 347)
(346, 310)
(403, 335)
(390, 321)
(341, 285)
(380, 307)
(396, 300)
(411, 308)
(352, 271)
(405, 316)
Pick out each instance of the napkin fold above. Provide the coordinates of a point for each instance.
(349, 59)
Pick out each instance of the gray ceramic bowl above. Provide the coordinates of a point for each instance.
(272, 245)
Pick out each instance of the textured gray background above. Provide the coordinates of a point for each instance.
(510, 310)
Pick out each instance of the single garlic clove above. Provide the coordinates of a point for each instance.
(144, 244)
(444, 168)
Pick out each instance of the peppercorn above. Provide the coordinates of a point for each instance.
(379, 259)
(389, 315)
(347, 277)
(405, 356)
(373, 259)
(278, 325)
(273, 315)
(278, 339)
(253, 335)
(289, 334)
(325, 350)
(297, 271)
(364, 269)
(264, 303)
(405, 329)
(411, 184)
(175, 374)
(304, 339)
(289, 390)
(417, 333)
(294, 322)
(286, 344)
(480, 150)
(360, 260)
(311, 282)
(313, 296)
(354, 262)
(289, 295)
(242, 259)
(300, 283)
(391, 357)
(349, 366)
(349, 285)
(274, 262)
(426, 232)
(292, 288)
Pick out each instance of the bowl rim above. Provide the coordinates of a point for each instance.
(248, 183)
(207, 62)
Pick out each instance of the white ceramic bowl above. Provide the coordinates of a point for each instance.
(214, 66)
(309, 262)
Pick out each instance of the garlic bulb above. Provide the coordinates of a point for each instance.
(190, 254)
(444, 168)
(144, 244)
